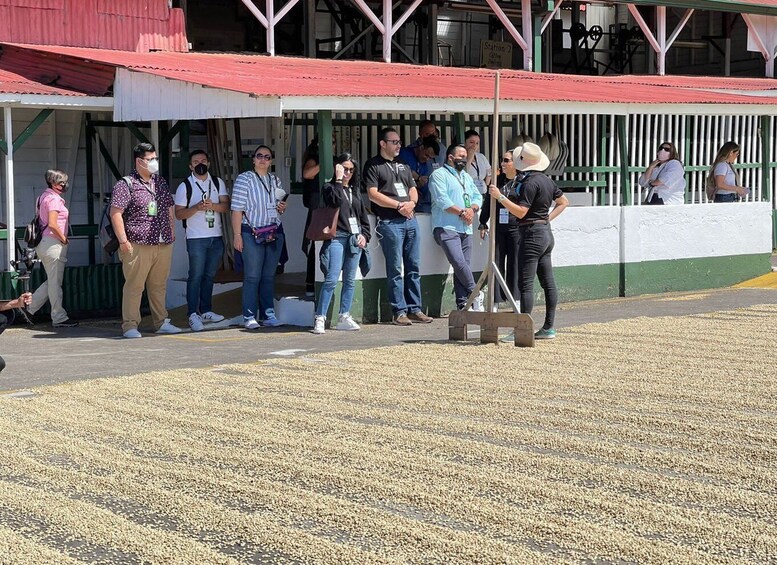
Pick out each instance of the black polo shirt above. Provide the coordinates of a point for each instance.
(537, 193)
(392, 178)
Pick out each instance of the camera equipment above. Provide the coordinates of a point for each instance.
(23, 265)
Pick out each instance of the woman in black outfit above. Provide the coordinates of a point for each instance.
(507, 234)
(344, 251)
(538, 192)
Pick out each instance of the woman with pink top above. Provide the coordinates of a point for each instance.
(52, 249)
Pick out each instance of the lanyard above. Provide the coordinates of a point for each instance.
(151, 192)
(394, 168)
(458, 178)
(266, 188)
(210, 188)
(349, 193)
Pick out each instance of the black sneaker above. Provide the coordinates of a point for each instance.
(67, 323)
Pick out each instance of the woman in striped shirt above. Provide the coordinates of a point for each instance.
(258, 200)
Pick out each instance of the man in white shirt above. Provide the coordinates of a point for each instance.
(199, 202)
(478, 166)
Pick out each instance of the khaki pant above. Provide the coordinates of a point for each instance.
(53, 254)
(147, 266)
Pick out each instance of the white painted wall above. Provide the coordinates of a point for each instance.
(652, 233)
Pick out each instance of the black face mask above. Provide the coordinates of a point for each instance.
(460, 164)
(201, 169)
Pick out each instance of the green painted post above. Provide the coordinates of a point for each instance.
(537, 39)
(90, 185)
(623, 147)
(325, 157)
(459, 127)
(687, 152)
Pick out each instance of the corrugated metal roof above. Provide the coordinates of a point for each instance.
(288, 77)
(12, 83)
(131, 25)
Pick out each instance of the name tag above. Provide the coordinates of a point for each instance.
(481, 184)
(504, 216)
(400, 189)
(210, 218)
(152, 208)
(353, 223)
(272, 213)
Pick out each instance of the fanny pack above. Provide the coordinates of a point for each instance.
(263, 234)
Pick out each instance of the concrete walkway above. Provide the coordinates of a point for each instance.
(39, 355)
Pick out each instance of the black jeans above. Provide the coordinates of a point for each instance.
(508, 238)
(534, 259)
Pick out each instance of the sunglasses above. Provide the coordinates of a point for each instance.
(665, 149)
(507, 160)
(348, 170)
(263, 157)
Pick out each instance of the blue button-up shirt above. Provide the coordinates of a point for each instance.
(448, 187)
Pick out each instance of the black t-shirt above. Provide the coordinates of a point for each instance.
(392, 178)
(537, 194)
(506, 187)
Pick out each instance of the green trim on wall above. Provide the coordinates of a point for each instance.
(649, 277)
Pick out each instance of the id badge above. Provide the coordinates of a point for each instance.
(400, 189)
(152, 208)
(210, 217)
(504, 216)
(481, 184)
(353, 223)
(272, 213)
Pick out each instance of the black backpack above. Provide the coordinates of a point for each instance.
(33, 232)
(189, 193)
(108, 237)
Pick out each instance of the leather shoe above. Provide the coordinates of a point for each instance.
(420, 317)
(402, 320)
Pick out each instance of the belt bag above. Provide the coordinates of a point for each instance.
(265, 234)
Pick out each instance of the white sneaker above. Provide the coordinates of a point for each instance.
(477, 305)
(250, 323)
(212, 317)
(270, 320)
(195, 322)
(346, 323)
(168, 328)
(132, 334)
(318, 325)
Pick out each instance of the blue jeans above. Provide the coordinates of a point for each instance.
(204, 258)
(340, 258)
(260, 260)
(399, 239)
(534, 258)
(733, 197)
(458, 249)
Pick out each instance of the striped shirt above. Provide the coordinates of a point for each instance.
(256, 196)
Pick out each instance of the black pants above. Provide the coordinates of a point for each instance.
(309, 249)
(5, 321)
(508, 238)
(534, 259)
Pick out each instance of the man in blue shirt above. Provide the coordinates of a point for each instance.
(455, 203)
(422, 160)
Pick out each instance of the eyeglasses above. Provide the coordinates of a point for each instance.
(263, 157)
(348, 170)
(393, 141)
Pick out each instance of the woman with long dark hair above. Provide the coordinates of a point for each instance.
(723, 180)
(665, 177)
(342, 253)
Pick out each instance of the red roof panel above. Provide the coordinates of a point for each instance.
(11, 83)
(285, 76)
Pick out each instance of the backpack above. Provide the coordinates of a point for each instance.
(108, 237)
(33, 232)
(189, 193)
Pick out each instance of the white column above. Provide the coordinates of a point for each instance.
(10, 196)
(155, 134)
(661, 37)
(270, 15)
(388, 29)
(527, 25)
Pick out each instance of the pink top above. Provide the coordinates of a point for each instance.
(50, 201)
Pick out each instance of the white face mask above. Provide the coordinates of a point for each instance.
(663, 155)
(152, 165)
